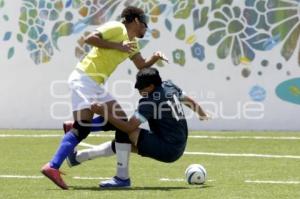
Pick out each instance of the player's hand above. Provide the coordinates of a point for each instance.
(128, 46)
(97, 108)
(161, 56)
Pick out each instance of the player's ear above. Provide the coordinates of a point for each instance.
(136, 20)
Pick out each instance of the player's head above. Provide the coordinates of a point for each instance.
(135, 16)
(147, 80)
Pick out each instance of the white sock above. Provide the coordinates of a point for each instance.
(123, 152)
(102, 150)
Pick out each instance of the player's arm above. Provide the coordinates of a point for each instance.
(194, 106)
(96, 39)
(140, 62)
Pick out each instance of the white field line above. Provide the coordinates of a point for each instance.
(21, 177)
(244, 137)
(190, 136)
(188, 153)
(44, 136)
(271, 182)
(243, 155)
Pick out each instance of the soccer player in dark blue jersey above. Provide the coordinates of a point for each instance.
(160, 105)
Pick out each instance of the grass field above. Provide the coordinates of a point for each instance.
(239, 164)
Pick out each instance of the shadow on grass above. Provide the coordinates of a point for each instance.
(140, 188)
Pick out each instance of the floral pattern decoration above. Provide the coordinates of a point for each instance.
(236, 32)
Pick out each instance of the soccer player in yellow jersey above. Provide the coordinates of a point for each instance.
(113, 42)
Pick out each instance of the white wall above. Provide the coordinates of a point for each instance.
(35, 95)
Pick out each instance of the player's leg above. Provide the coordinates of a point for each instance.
(123, 149)
(67, 145)
(121, 179)
(80, 131)
(82, 90)
(122, 144)
(105, 149)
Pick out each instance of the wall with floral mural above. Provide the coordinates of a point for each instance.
(251, 42)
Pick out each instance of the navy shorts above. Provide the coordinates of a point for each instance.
(151, 145)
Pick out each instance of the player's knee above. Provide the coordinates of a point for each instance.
(121, 137)
(83, 128)
(170, 157)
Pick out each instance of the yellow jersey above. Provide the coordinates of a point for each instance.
(100, 63)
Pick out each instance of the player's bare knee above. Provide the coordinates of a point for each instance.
(134, 136)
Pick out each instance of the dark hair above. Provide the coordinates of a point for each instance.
(146, 77)
(131, 12)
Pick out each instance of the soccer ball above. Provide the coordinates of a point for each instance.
(195, 174)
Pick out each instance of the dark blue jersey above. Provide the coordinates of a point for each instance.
(163, 111)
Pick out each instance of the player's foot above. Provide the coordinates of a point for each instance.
(54, 175)
(67, 126)
(115, 182)
(71, 159)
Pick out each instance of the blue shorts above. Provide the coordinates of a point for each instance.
(151, 145)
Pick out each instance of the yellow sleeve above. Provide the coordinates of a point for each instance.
(109, 31)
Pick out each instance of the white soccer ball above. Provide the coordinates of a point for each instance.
(195, 174)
